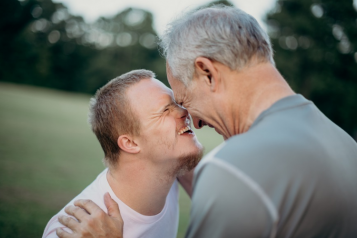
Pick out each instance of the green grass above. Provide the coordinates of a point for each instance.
(48, 155)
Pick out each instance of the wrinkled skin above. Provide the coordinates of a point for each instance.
(93, 221)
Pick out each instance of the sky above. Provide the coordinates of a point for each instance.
(162, 10)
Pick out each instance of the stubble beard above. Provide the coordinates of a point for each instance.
(187, 162)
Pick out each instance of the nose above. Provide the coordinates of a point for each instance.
(182, 112)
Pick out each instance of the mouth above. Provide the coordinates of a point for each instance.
(185, 130)
(203, 123)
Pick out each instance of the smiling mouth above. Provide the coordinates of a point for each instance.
(184, 130)
(202, 124)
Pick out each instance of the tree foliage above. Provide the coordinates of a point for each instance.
(42, 44)
(315, 44)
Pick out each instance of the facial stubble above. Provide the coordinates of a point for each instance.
(187, 162)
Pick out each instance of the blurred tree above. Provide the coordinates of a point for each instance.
(315, 43)
(126, 41)
(14, 17)
(42, 44)
(28, 54)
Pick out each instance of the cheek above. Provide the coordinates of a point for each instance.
(166, 133)
(170, 130)
(200, 110)
(193, 108)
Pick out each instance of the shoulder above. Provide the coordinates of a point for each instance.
(223, 175)
(52, 225)
(223, 191)
(271, 147)
(95, 192)
(264, 162)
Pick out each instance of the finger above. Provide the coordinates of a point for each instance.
(68, 222)
(112, 206)
(88, 205)
(77, 212)
(62, 233)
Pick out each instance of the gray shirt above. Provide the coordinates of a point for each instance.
(293, 174)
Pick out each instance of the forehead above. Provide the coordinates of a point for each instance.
(148, 95)
(177, 86)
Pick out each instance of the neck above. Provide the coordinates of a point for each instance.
(140, 186)
(259, 87)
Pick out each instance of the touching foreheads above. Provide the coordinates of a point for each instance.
(224, 34)
(110, 113)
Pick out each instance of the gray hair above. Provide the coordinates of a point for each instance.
(110, 114)
(221, 33)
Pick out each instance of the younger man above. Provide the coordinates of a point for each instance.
(148, 142)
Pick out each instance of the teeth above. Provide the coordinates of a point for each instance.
(183, 130)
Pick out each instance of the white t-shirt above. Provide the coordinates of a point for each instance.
(162, 225)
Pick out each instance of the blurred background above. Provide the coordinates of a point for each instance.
(55, 55)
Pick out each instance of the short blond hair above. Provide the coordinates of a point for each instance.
(110, 113)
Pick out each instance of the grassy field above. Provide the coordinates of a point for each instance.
(48, 155)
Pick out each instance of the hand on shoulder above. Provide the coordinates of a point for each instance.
(92, 222)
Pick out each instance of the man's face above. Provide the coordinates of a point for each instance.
(165, 133)
(196, 100)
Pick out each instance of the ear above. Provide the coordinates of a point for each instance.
(205, 69)
(127, 144)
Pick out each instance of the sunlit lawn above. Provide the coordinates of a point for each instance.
(48, 154)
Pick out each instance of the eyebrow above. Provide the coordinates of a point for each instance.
(168, 105)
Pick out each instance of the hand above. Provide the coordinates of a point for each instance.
(92, 222)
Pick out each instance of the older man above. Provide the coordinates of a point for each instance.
(148, 142)
(285, 170)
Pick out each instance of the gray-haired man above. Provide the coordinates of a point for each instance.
(285, 170)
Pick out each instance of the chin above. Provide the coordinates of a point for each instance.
(188, 161)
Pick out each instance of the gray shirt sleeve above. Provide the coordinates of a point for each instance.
(225, 206)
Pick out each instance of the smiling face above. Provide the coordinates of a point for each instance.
(165, 134)
(197, 100)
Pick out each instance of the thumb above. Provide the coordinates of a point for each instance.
(112, 206)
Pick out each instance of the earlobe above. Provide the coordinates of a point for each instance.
(206, 70)
(127, 144)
